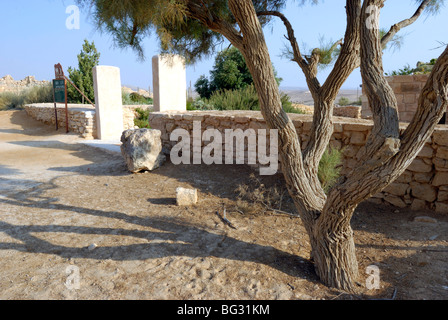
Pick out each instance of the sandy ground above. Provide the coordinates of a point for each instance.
(75, 224)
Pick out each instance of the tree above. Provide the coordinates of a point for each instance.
(229, 72)
(193, 26)
(83, 77)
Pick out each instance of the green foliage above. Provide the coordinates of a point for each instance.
(83, 77)
(241, 99)
(142, 118)
(229, 72)
(406, 70)
(135, 98)
(130, 22)
(344, 101)
(328, 52)
(422, 68)
(330, 168)
(37, 94)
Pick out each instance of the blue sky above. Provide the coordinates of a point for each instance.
(35, 37)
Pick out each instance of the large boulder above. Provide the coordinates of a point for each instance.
(142, 149)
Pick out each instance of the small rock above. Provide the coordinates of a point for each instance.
(92, 246)
(186, 197)
(425, 219)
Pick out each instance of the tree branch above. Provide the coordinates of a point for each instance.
(402, 24)
(204, 15)
(308, 69)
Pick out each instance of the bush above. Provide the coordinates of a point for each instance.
(37, 94)
(134, 98)
(241, 99)
(142, 119)
(343, 101)
(330, 168)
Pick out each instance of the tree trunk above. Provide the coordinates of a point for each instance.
(386, 154)
(334, 250)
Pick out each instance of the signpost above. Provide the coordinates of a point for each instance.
(60, 92)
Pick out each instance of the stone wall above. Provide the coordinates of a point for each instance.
(407, 90)
(423, 185)
(8, 84)
(82, 118)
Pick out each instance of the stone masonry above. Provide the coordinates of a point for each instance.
(423, 185)
(407, 89)
(82, 118)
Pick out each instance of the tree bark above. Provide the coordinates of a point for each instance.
(386, 154)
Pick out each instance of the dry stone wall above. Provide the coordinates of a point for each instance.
(407, 90)
(424, 185)
(81, 118)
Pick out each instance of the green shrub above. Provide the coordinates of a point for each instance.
(330, 168)
(343, 101)
(135, 98)
(142, 118)
(37, 94)
(241, 99)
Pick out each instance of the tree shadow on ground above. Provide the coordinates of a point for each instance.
(168, 237)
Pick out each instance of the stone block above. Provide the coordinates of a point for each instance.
(440, 137)
(442, 196)
(395, 201)
(440, 164)
(397, 189)
(186, 197)
(423, 177)
(441, 207)
(142, 149)
(108, 102)
(169, 83)
(358, 138)
(442, 153)
(423, 191)
(426, 152)
(406, 177)
(418, 165)
(440, 179)
(418, 204)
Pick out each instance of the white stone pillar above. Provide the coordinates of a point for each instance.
(169, 83)
(108, 102)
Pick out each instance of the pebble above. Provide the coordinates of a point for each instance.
(92, 246)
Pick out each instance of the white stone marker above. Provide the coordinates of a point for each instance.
(169, 83)
(108, 102)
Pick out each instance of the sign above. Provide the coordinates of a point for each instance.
(58, 71)
(59, 91)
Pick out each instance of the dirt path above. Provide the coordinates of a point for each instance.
(72, 212)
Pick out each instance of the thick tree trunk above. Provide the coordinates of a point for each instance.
(334, 250)
(386, 155)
